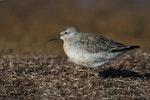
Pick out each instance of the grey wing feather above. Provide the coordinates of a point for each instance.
(95, 44)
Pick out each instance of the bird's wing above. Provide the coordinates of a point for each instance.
(95, 43)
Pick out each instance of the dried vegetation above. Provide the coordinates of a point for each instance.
(46, 77)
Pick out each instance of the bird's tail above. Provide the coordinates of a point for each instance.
(133, 47)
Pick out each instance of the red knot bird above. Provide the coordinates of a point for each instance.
(88, 49)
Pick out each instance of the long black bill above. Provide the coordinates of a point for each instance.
(54, 38)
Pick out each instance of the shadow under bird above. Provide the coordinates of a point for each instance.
(88, 49)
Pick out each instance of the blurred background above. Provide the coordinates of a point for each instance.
(27, 25)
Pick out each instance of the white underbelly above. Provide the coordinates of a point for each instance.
(76, 57)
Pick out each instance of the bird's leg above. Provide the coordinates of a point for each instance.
(89, 72)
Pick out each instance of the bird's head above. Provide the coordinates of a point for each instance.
(65, 33)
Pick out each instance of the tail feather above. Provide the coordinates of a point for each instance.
(126, 48)
(133, 47)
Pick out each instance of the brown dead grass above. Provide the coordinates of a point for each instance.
(46, 77)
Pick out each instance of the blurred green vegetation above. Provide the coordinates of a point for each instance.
(27, 25)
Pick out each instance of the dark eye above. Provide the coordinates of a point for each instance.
(65, 33)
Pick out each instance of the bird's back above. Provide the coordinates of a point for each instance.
(93, 43)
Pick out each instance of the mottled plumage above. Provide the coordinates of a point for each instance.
(90, 50)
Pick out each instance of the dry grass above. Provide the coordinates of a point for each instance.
(45, 77)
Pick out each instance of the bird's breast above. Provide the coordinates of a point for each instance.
(74, 54)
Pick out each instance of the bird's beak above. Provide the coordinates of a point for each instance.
(54, 38)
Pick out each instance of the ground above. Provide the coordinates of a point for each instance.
(42, 77)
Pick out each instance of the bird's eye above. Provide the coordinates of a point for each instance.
(65, 33)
